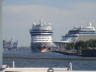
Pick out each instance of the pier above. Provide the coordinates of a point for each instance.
(40, 70)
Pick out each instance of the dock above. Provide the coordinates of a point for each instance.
(40, 70)
(35, 70)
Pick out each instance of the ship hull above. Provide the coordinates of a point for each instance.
(42, 47)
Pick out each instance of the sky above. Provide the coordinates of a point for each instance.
(18, 16)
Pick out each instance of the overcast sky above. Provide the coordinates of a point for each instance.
(18, 16)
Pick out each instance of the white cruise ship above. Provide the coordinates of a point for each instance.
(80, 33)
(41, 37)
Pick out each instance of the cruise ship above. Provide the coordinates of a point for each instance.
(41, 37)
(80, 33)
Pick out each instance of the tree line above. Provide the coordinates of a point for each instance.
(81, 45)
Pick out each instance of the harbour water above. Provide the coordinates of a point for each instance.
(23, 57)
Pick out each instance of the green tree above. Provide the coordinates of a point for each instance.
(69, 46)
(80, 45)
(91, 44)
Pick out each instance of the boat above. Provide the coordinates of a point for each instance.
(80, 34)
(41, 37)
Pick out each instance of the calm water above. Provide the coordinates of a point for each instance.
(79, 63)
